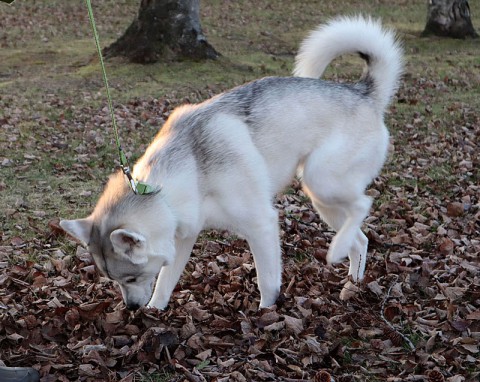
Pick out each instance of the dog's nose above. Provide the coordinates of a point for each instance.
(133, 306)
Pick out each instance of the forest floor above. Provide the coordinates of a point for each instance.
(415, 317)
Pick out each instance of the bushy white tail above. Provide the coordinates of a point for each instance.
(377, 45)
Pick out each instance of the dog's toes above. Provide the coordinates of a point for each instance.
(334, 255)
(157, 305)
(267, 302)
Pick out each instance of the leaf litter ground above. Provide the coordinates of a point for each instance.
(415, 317)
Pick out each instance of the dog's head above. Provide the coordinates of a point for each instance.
(130, 239)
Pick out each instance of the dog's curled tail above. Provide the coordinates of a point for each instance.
(376, 45)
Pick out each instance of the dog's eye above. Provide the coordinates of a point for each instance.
(130, 280)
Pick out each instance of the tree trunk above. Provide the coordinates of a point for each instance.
(164, 29)
(449, 18)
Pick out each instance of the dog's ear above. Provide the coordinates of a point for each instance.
(80, 229)
(129, 244)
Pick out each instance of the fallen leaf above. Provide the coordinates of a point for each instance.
(349, 291)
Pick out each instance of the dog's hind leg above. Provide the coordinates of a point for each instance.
(358, 257)
(335, 217)
(170, 274)
(345, 241)
(340, 201)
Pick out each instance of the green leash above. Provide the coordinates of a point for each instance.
(137, 187)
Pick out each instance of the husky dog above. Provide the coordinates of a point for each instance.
(218, 164)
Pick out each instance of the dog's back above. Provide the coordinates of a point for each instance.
(287, 118)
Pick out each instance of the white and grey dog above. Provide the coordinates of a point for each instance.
(220, 163)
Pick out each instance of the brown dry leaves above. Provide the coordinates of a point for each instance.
(422, 286)
(70, 324)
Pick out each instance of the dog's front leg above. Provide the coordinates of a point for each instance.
(170, 274)
(263, 238)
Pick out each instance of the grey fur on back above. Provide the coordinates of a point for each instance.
(251, 103)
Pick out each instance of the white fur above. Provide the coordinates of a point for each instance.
(349, 35)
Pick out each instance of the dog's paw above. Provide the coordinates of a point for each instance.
(157, 305)
(267, 301)
(336, 253)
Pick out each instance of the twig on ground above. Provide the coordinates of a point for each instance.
(388, 323)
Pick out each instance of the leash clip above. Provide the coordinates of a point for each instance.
(128, 174)
(138, 188)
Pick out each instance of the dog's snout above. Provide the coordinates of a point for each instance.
(133, 306)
